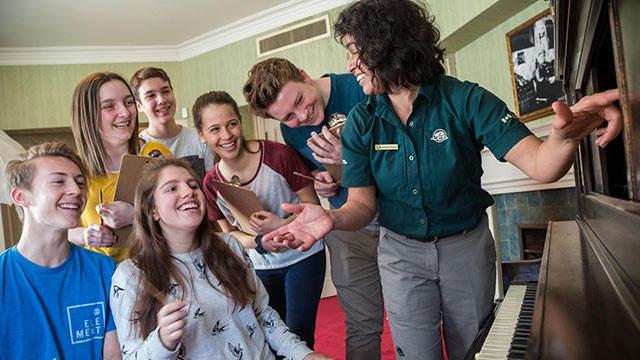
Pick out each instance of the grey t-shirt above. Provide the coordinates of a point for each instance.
(187, 144)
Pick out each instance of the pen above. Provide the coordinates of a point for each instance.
(100, 201)
(311, 178)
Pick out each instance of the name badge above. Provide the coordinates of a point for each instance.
(386, 146)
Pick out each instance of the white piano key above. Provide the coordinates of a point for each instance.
(498, 341)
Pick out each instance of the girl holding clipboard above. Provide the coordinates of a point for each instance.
(293, 279)
(104, 121)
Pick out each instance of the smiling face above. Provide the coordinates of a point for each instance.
(222, 130)
(298, 104)
(358, 69)
(57, 196)
(117, 113)
(157, 100)
(179, 202)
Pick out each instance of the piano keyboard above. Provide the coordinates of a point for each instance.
(507, 338)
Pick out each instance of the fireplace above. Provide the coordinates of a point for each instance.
(531, 240)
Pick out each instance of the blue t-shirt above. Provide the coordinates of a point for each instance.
(345, 95)
(55, 313)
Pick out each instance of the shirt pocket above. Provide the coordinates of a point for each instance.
(389, 167)
(441, 165)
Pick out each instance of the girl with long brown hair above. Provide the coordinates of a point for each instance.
(187, 291)
(104, 121)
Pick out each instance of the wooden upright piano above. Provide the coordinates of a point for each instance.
(587, 302)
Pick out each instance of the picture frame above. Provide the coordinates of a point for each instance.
(531, 54)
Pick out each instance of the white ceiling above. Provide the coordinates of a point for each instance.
(46, 31)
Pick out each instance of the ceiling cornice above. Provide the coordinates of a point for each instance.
(86, 55)
(255, 24)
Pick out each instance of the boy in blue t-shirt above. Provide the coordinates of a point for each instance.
(53, 294)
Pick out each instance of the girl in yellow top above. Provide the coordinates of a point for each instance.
(104, 121)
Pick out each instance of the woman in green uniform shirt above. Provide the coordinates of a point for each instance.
(414, 147)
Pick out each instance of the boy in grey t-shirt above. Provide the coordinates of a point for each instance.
(154, 96)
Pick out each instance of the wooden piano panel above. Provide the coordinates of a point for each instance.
(578, 313)
(627, 29)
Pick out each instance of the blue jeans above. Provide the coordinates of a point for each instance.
(294, 292)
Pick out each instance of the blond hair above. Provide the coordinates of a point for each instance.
(19, 172)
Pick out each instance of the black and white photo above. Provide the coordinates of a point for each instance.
(532, 60)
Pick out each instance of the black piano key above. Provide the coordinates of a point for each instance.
(520, 338)
(516, 354)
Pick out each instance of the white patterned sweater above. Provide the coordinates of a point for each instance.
(214, 330)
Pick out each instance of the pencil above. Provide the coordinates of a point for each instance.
(100, 201)
(153, 291)
(311, 178)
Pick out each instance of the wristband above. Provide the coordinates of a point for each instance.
(259, 248)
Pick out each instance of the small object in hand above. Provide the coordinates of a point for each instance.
(336, 119)
(258, 216)
(100, 201)
(153, 291)
(235, 180)
(311, 178)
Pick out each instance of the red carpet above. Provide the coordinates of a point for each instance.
(330, 331)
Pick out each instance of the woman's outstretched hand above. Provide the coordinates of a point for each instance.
(311, 225)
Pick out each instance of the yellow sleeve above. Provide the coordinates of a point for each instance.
(105, 183)
(108, 185)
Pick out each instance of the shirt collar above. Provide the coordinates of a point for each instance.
(426, 91)
(379, 105)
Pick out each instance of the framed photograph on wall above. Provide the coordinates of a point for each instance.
(532, 61)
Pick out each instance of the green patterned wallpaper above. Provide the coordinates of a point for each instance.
(39, 96)
(451, 15)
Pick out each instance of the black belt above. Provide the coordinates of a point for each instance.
(435, 239)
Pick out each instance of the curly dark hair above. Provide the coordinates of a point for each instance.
(395, 39)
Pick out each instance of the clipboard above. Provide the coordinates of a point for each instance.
(334, 170)
(241, 201)
(130, 170)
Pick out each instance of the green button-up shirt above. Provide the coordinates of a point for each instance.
(427, 173)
